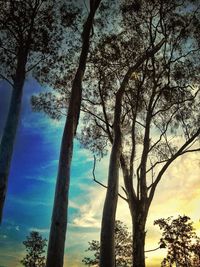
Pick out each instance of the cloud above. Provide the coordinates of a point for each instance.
(39, 123)
(90, 212)
(73, 204)
(28, 202)
(45, 179)
(51, 163)
(89, 201)
(81, 156)
(179, 186)
(177, 193)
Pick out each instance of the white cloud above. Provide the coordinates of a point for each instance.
(45, 179)
(177, 193)
(51, 163)
(90, 212)
(39, 122)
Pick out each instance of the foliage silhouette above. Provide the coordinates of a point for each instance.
(30, 44)
(35, 247)
(123, 248)
(181, 241)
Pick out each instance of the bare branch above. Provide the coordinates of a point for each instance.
(185, 55)
(129, 189)
(151, 250)
(190, 150)
(182, 150)
(8, 50)
(6, 79)
(138, 122)
(84, 109)
(162, 132)
(37, 63)
(175, 103)
(96, 181)
(156, 163)
(91, 102)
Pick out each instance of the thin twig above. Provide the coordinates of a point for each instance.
(95, 180)
(6, 79)
(153, 249)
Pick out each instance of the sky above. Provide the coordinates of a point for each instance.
(32, 181)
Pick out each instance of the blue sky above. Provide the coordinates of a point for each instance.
(32, 182)
(33, 175)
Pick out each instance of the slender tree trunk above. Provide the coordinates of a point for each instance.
(58, 229)
(107, 244)
(9, 133)
(7, 143)
(107, 248)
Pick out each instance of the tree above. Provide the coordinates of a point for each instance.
(30, 37)
(59, 216)
(181, 241)
(151, 110)
(35, 247)
(160, 101)
(107, 247)
(123, 248)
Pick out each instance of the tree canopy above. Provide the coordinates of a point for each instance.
(181, 241)
(31, 43)
(158, 112)
(35, 247)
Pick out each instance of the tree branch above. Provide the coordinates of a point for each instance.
(180, 152)
(6, 79)
(96, 181)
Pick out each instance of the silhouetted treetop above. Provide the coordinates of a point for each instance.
(181, 241)
(123, 252)
(35, 247)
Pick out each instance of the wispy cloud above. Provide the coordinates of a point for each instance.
(90, 212)
(45, 179)
(178, 193)
(28, 202)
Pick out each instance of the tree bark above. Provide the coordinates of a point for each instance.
(107, 244)
(58, 229)
(107, 247)
(139, 222)
(9, 133)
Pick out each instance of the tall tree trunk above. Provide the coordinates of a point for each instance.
(107, 248)
(107, 244)
(139, 222)
(7, 143)
(58, 229)
(9, 133)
